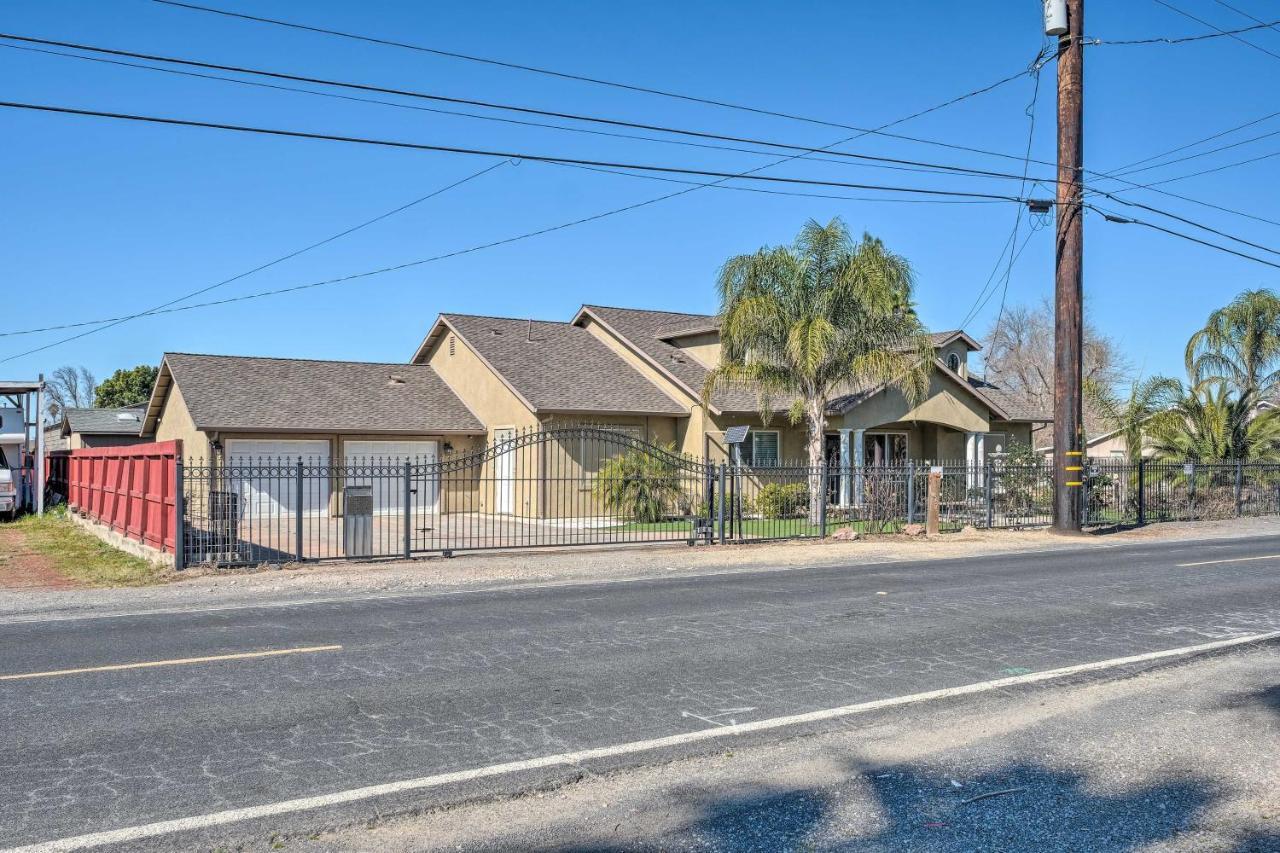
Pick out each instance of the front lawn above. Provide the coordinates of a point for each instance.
(82, 556)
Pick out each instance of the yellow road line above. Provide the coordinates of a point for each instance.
(1232, 560)
(171, 662)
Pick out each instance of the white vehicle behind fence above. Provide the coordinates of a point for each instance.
(12, 438)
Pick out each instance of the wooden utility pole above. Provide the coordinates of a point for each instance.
(1068, 420)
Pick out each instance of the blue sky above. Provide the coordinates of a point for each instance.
(102, 218)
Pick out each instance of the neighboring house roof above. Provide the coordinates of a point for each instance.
(122, 421)
(941, 339)
(244, 394)
(557, 367)
(648, 332)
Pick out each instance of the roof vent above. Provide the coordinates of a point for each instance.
(126, 416)
(395, 379)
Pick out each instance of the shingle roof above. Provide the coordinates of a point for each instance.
(561, 367)
(232, 393)
(124, 421)
(646, 330)
(1018, 406)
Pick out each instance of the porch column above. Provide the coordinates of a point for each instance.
(859, 460)
(846, 460)
(974, 446)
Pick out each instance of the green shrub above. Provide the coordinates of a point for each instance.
(639, 485)
(779, 500)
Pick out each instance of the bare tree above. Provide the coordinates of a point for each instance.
(1019, 356)
(70, 387)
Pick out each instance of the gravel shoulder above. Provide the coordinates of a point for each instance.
(474, 571)
(1173, 760)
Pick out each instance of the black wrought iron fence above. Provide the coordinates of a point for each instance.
(600, 486)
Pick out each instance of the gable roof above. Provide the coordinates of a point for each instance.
(241, 393)
(122, 421)
(648, 333)
(941, 339)
(557, 367)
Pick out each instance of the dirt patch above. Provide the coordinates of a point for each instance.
(21, 567)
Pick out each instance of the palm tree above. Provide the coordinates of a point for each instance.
(1131, 416)
(805, 321)
(1210, 422)
(1239, 344)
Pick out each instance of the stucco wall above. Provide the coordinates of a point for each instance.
(946, 404)
(175, 423)
(476, 385)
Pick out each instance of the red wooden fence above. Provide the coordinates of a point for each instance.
(129, 489)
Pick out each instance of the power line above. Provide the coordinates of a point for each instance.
(115, 321)
(1190, 222)
(1247, 15)
(867, 199)
(437, 111)
(878, 131)
(1221, 168)
(1124, 169)
(980, 301)
(1174, 8)
(808, 152)
(1128, 220)
(499, 106)
(1219, 149)
(1184, 39)
(506, 155)
(524, 236)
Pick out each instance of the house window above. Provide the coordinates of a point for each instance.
(761, 449)
(884, 448)
(594, 450)
(953, 362)
(1117, 454)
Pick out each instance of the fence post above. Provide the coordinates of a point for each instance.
(821, 497)
(297, 541)
(408, 508)
(1191, 491)
(986, 488)
(179, 517)
(720, 505)
(911, 493)
(1239, 486)
(1142, 491)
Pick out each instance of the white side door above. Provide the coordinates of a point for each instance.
(504, 473)
(264, 473)
(387, 458)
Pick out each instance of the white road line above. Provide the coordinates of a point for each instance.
(113, 667)
(207, 821)
(1232, 560)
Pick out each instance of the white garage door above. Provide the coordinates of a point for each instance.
(263, 473)
(388, 489)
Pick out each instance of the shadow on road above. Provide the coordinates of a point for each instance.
(910, 807)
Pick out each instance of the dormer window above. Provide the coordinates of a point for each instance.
(953, 362)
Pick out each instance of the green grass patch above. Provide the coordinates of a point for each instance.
(84, 557)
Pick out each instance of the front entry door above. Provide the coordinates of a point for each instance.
(504, 471)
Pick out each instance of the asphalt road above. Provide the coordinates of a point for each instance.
(433, 684)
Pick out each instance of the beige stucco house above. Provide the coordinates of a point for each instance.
(475, 381)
